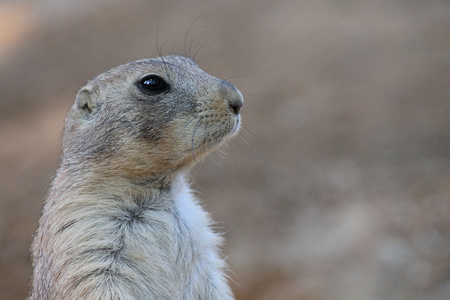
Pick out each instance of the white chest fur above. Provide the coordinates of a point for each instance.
(157, 247)
(203, 260)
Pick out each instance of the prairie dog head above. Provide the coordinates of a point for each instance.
(150, 117)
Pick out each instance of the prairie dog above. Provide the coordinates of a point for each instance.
(120, 221)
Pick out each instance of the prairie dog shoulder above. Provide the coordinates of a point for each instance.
(120, 221)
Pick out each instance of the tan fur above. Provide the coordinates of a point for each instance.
(120, 221)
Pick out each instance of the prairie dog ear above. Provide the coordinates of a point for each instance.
(87, 101)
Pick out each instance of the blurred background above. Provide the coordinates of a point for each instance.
(339, 185)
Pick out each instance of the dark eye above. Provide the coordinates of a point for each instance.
(153, 84)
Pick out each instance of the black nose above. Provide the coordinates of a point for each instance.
(235, 105)
(233, 96)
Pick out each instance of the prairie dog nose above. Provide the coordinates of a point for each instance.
(234, 97)
(235, 103)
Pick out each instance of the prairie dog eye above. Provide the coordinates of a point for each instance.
(153, 84)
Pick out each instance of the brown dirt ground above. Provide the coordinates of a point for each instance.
(339, 186)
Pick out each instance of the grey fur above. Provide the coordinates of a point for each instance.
(120, 221)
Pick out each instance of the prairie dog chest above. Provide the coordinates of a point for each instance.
(192, 220)
(179, 230)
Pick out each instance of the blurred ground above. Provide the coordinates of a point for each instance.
(340, 186)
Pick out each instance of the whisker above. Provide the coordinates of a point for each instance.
(196, 52)
(247, 131)
(187, 52)
(193, 136)
(190, 46)
(211, 140)
(244, 138)
(178, 134)
(158, 46)
(237, 76)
